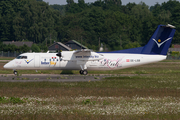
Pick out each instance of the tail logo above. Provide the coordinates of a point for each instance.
(159, 44)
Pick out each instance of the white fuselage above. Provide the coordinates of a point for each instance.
(71, 61)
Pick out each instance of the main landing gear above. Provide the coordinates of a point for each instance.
(83, 66)
(15, 72)
(83, 72)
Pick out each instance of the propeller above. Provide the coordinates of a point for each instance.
(59, 54)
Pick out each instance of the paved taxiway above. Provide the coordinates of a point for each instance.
(49, 78)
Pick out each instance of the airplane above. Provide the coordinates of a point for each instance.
(83, 60)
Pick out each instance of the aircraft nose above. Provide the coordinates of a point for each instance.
(7, 66)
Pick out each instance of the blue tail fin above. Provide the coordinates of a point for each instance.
(158, 44)
(160, 41)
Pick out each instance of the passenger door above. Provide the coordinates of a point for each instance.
(36, 61)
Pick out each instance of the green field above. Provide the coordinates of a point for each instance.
(7, 58)
(145, 92)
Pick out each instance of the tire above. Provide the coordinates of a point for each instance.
(15, 72)
(85, 72)
(81, 72)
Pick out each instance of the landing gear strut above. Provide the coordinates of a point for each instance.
(15, 72)
(83, 72)
(83, 66)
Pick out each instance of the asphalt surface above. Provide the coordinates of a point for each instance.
(49, 78)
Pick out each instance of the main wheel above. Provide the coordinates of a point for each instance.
(85, 72)
(81, 72)
(15, 72)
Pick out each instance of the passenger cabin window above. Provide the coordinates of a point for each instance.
(21, 57)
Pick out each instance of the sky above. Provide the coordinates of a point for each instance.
(124, 2)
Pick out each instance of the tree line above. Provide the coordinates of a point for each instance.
(115, 25)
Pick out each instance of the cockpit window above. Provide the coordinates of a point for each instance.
(24, 57)
(18, 57)
(21, 57)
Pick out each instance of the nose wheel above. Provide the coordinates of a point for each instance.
(15, 72)
(83, 72)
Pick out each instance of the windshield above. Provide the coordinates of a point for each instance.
(21, 57)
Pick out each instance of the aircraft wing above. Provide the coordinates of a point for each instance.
(83, 51)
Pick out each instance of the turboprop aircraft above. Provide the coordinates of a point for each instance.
(155, 50)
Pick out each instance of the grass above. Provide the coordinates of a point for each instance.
(7, 58)
(145, 92)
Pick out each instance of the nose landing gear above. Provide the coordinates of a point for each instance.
(15, 72)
